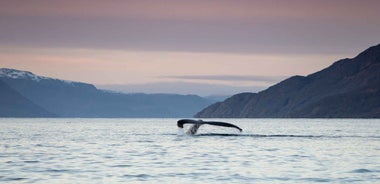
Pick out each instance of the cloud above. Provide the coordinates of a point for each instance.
(130, 67)
(288, 26)
(182, 88)
(226, 78)
(213, 10)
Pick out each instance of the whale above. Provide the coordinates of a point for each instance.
(197, 123)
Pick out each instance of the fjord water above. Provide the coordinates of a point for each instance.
(152, 151)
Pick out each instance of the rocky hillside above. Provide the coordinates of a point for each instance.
(349, 88)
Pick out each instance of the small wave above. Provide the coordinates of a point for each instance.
(31, 161)
(282, 135)
(257, 135)
(272, 149)
(122, 165)
(279, 178)
(270, 135)
(223, 135)
(300, 156)
(11, 179)
(58, 170)
(136, 175)
(319, 180)
(361, 171)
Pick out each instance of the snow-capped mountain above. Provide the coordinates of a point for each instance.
(18, 74)
(26, 75)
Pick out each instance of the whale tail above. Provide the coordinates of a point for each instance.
(197, 123)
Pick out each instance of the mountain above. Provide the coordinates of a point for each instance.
(13, 104)
(76, 99)
(349, 88)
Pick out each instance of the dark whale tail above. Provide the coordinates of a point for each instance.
(198, 123)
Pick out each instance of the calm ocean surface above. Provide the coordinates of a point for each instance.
(153, 151)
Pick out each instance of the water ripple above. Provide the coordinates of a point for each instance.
(150, 151)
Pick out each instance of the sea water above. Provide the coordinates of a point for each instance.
(154, 151)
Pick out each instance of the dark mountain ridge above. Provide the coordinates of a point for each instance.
(75, 99)
(349, 88)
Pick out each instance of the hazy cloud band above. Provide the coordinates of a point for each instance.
(252, 78)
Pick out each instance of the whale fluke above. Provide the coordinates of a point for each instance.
(198, 123)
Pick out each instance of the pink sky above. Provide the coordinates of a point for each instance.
(227, 43)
